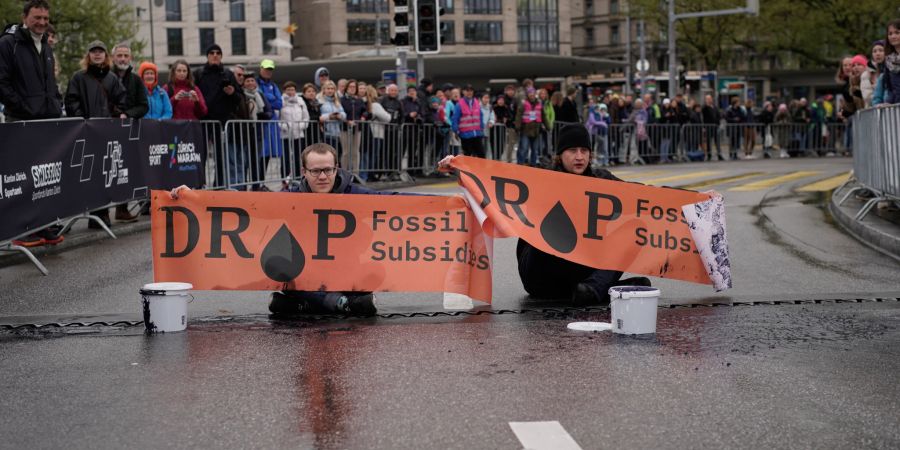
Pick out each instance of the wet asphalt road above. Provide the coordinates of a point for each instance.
(810, 375)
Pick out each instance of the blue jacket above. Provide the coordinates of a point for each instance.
(332, 126)
(270, 91)
(457, 113)
(891, 82)
(160, 105)
(878, 94)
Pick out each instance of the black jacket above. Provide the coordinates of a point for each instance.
(27, 83)
(568, 112)
(353, 106)
(136, 104)
(95, 93)
(393, 107)
(711, 115)
(212, 80)
(409, 106)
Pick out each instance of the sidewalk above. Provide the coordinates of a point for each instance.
(880, 229)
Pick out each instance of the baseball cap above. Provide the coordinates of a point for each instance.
(267, 64)
(97, 44)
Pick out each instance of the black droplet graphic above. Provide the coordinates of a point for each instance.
(558, 230)
(282, 259)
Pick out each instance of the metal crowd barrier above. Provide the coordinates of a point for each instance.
(876, 156)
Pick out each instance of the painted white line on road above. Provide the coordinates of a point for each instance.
(543, 435)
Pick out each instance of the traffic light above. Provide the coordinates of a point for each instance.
(401, 24)
(428, 26)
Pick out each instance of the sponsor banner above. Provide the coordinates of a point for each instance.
(599, 223)
(331, 242)
(53, 170)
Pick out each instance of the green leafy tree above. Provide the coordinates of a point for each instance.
(816, 33)
(77, 23)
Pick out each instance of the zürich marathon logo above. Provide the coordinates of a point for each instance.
(181, 154)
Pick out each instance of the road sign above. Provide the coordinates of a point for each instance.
(642, 65)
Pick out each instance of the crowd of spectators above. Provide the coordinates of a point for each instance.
(332, 111)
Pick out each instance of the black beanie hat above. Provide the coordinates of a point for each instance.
(572, 136)
(213, 47)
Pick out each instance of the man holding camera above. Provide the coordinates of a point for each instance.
(223, 98)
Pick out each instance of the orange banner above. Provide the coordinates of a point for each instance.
(333, 242)
(599, 223)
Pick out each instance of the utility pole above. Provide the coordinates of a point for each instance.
(628, 52)
(642, 71)
(752, 9)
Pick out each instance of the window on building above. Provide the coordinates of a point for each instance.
(483, 31)
(448, 32)
(267, 10)
(205, 10)
(236, 10)
(614, 35)
(588, 7)
(589, 37)
(174, 42)
(447, 5)
(267, 35)
(483, 7)
(367, 6)
(363, 31)
(173, 10)
(207, 38)
(238, 41)
(538, 24)
(613, 6)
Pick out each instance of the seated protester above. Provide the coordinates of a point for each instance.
(321, 175)
(548, 276)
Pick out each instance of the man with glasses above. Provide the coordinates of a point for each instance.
(321, 175)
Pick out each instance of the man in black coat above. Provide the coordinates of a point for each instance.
(568, 112)
(136, 104)
(223, 98)
(712, 116)
(27, 83)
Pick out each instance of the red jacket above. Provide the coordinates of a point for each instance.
(185, 108)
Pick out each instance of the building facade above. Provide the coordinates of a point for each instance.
(247, 30)
(329, 29)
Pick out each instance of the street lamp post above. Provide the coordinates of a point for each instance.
(752, 8)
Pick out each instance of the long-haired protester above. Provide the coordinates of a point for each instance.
(94, 91)
(891, 73)
(187, 100)
(157, 98)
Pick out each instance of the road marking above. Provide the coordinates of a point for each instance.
(685, 176)
(633, 174)
(440, 185)
(715, 181)
(543, 435)
(826, 184)
(769, 182)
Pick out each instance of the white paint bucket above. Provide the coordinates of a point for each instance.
(633, 309)
(165, 306)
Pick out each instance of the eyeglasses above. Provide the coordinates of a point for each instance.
(328, 171)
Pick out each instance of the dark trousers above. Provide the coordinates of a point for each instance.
(473, 147)
(547, 276)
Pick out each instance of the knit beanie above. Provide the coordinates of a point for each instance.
(145, 66)
(573, 136)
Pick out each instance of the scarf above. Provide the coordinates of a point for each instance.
(253, 96)
(892, 63)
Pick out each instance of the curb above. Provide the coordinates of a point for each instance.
(873, 231)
